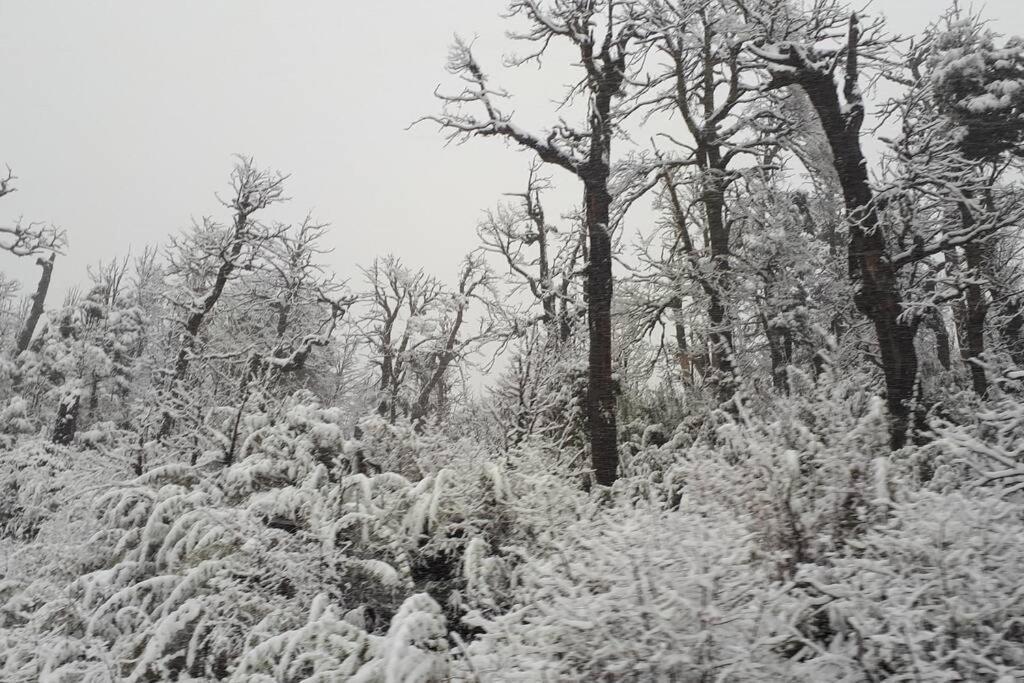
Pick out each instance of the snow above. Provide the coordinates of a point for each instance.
(310, 524)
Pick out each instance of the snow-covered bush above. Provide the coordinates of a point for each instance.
(15, 420)
(207, 571)
(932, 594)
(642, 595)
(980, 87)
(192, 568)
(33, 477)
(810, 472)
(985, 448)
(542, 394)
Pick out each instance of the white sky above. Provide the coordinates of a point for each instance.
(120, 118)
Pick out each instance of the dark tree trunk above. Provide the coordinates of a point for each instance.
(67, 419)
(878, 296)
(938, 326)
(38, 302)
(682, 347)
(1013, 313)
(600, 387)
(605, 66)
(780, 350)
(595, 172)
(720, 339)
(976, 310)
(972, 333)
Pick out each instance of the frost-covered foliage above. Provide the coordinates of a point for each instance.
(648, 594)
(987, 448)
(30, 482)
(220, 464)
(980, 86)
(287, 564)
(541, 394)
(779, 543)
(931, 594)
(810, 468)
(14, 420)
(86, 352)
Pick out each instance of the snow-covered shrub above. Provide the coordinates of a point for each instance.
(193, 567)
(980, 86)
(323, 646)
(395, 447)
(30, 486)
(985, 448)
(333, 647)
(541, 394)
(811, 472)
(15, 421)
(207, 570)
(932, 594)
(634, 595)
(83, 356)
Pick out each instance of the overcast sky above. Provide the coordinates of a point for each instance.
(120, 118)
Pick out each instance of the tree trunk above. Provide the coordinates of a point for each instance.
(67, 418)
(970, 310)
(682, 347)
(38, 302)
(600, 387)
(878, 296)
(938, 326)
(1013, 312)
(720, 338)
(606, 67)
(548, 299)
(444, 359)
(780, 350)
(976, 310)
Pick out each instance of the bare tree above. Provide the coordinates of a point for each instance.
(474, 277)
(34, 239)
(305, 301)
(870, 266)
(701, 45)
(416, 329)
(981, 110)
(602, 33)
(542, 392)
(400, 300)
(222, 251)
(540, 259)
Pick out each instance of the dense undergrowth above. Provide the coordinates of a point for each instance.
(780, 543)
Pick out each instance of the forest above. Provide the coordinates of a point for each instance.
(751, 409)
